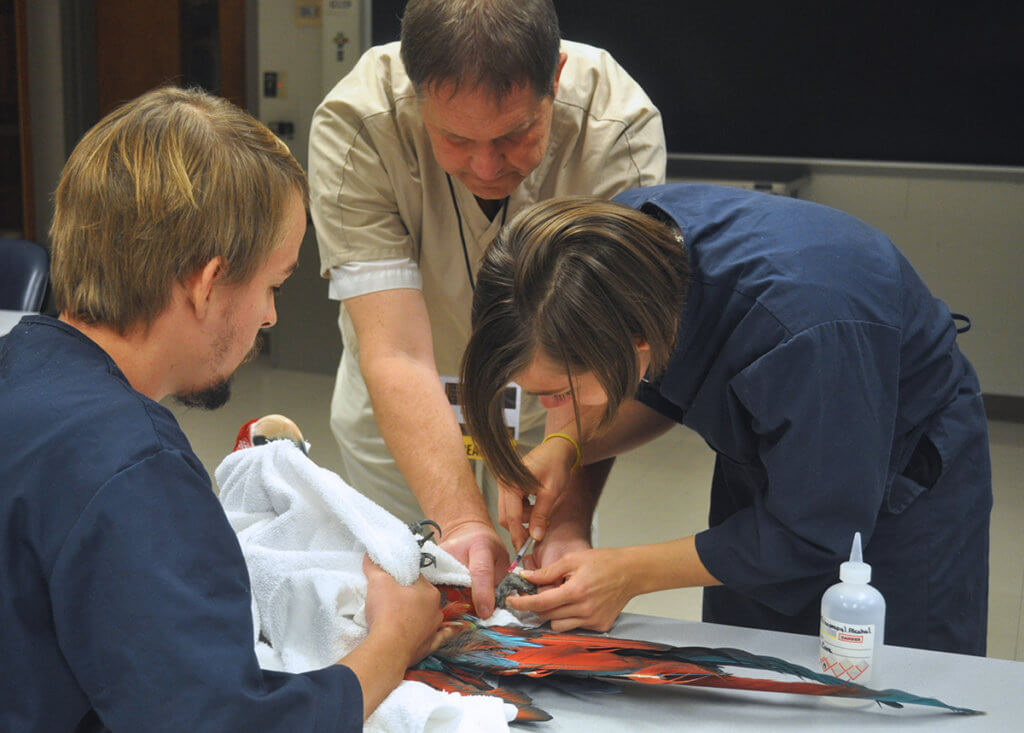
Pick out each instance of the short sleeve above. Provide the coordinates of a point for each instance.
(623, 137)
(823, 408)
(643, 134)
(151, 606)
(649, 394)
(360, 278)
(353, 201)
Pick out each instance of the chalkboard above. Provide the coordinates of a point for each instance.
(900, 81)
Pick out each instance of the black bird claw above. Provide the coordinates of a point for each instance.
(417, 528)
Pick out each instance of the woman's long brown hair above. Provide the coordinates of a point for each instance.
(576, 280)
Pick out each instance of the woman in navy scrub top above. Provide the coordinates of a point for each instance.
(800, 344)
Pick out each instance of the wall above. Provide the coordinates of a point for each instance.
(293, 50)
(303, 50)
(306, 336)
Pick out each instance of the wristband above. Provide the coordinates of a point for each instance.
(575, 444)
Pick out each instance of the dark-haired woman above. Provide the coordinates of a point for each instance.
(805, 350)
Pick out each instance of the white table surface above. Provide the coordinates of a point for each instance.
(993, 685)
(9, 319)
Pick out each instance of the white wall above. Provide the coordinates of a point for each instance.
(964, 233)
(294, 50)
(307, 335)
(306, 56)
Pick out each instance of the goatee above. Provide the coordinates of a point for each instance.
(218, 393)
(209, 398)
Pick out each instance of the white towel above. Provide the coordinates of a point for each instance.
(303, 532)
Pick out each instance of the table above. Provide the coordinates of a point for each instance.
(993, 685)
(9, 319)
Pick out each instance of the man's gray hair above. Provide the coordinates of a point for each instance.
(496, 45)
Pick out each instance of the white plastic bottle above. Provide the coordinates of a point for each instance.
(852, 623)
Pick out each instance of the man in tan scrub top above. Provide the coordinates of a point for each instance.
(417, 158)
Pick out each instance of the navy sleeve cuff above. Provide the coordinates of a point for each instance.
(648, 394)
(342, 698)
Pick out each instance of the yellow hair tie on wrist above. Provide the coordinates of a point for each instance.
(575, 444)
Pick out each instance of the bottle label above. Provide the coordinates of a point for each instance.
(847, 650)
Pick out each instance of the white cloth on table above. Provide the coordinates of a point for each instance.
(303, 532)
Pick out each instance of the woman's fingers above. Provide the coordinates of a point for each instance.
(511, 514)
(540, 513)
(593, 593)
(568, 624)
(543, 603)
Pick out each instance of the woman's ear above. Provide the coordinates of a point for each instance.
(643, 355)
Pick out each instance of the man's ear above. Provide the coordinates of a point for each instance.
(199, 286)
(562, 56)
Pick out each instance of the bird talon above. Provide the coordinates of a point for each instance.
(426, 559)
(417, 529)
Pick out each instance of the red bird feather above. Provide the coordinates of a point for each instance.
(463, 662)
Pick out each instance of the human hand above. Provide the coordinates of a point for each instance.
(409, 615)
(558, 542)
(551, 463)
(477, 546)
(587, 588)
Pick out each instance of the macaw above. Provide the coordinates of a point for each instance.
(461, 664)
(476, 651)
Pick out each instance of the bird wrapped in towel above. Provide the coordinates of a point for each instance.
(477, 652)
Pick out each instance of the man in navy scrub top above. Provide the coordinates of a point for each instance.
(124, 597)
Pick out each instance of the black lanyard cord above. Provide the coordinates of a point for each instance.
(462, 237)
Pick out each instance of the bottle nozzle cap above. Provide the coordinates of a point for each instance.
(855, 570)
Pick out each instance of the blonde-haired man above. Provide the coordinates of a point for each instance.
(124, 597)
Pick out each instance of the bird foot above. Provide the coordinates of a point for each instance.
(512, 584)
(422, 529)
